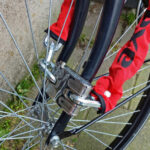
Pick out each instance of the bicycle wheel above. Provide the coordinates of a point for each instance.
(113, 132)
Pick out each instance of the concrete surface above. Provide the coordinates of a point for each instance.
(14, 12)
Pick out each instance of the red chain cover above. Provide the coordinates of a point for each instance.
(127, 62)
(57, 26)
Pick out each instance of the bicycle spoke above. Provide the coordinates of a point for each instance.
(64, 23)
(127, 30)
(98, 140)
(144, 68)
(41, 143)
(33, 145)
(136, 96)
(139, 85)
(21, 116)
(69, 147)
(20, 52)
(103, 133)
(31, 29)
(94, 137)
(122, 115)
(10, 133)
(62, 145)
(29, 141)
(22, 97)
(102, 121)
(89, 42)
(8, 83)
(30, 131)
(15, 113)
(10, 114)
(45, 75)
(17, 138)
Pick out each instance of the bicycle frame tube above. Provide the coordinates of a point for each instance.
(109, 21)
(78, 130)
(107, 28)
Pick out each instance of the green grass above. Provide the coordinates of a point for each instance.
(5, 126)
(27, 82)
(83, 41)
(22, 88)
(128, 18)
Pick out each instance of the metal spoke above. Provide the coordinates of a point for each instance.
(20, 52)
(101, 121)
(64, 23)
(62, 145)
(22, 97)
(122, 115)
(94, 137)
(33, 145)
(144, 68)
(136, 86)
(98, 140)
(69, 147)
(9, 84)
(103, 133)
(45, 75)
(16, 129)
(30, 118)
(136, 96)
(38, 129)
(128, 29)
(17, 138)
(29, 141)
(13, 114)
(17, 111)
(31, 29)
(88, 45)
(115, 122)
(18, 116)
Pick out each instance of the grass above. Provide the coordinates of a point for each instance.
(7, 124)
(27, 82)
(83, 41)
(117, 46)
(128, 18)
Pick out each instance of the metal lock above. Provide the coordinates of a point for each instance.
(68, 82)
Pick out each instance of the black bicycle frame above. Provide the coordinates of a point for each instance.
(78, 130)
(110, 17)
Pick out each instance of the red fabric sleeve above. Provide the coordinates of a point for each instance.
(127, 62)
(57, 26)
